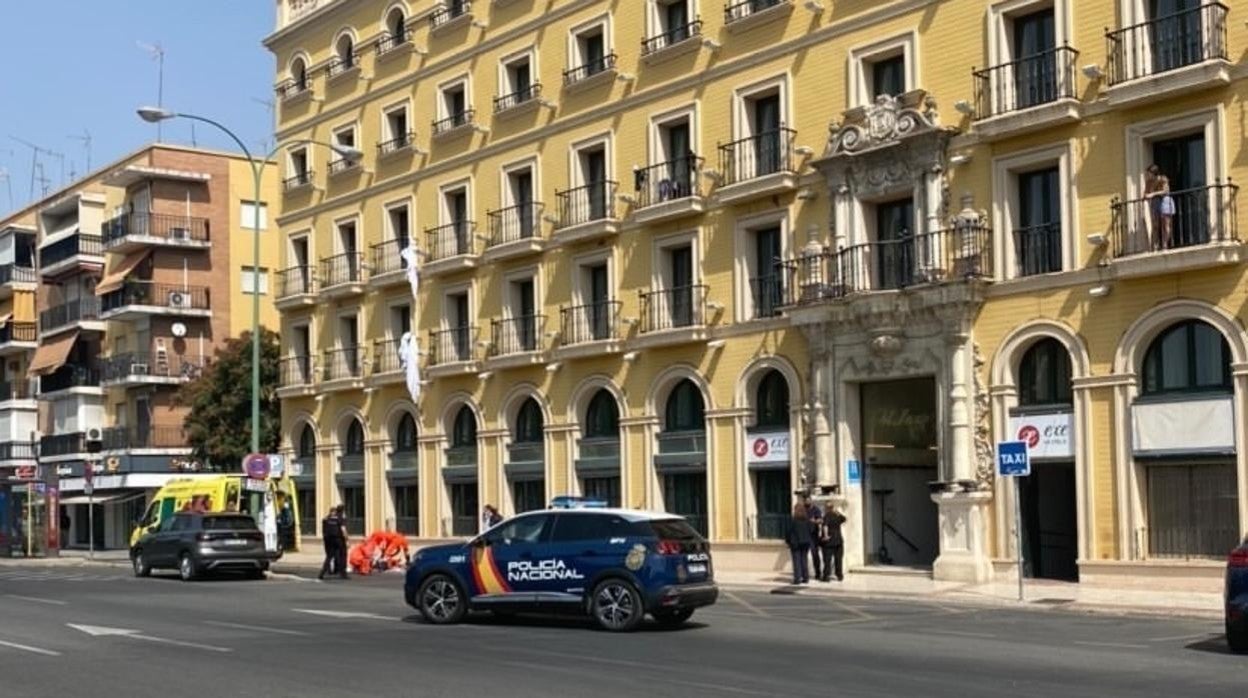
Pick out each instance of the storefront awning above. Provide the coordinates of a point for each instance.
(116, 278)
(112, 498)
(51, 356)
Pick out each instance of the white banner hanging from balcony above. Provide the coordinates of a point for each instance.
(410, 361)
(413, 272)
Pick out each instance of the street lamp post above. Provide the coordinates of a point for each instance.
(352, 155)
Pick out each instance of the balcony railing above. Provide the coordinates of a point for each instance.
(340, 269)
(392, 40)
(69, 313)
(452, 240)
(155, 225)
(740, 9)
(514, 223)
(386, 356)
(340, 165)
(1037, 79)
(340, 65)
(298, 180)
(1038, 249)
(673, 308)
(452, 345)
(17, 331)
(593, 202)
(142, 364)
(1202, 216)
(124, 438)
(767, 292)
(515, 99)
(295, 281)
(516, 335)
(288, 89)
(1167, 43)
(454, 121)
(296, 371)
(670, 37)
(592, 322)
(387, 256)
(17, 450)
(963, 252)
(667, 181)
(70, 247)
(396, 144)
(450, 9)
(62, 444)
(344, 363)
(762, 154)
(12, 273)
(67, 377)
(15, 391)
(158, 295)
(588, 69)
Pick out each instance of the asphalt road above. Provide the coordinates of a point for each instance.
(160, 637)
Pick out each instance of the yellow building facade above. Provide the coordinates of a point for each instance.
(697, 256)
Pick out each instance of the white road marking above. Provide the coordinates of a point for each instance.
(745, 604)
(28, 648)
(1120, 645)
(257, 628)
(344, 614)
(35, 599)
(101, 631)
(1176, 638)
(958, 633)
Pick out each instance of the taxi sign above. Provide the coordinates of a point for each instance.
(1012, 459)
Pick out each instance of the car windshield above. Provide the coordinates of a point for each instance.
(229, 523)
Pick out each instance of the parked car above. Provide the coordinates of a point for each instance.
(199, 543)
(1237, 598)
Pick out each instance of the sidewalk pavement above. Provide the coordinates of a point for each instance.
(900, 584)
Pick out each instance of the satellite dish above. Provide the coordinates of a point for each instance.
(179, 330)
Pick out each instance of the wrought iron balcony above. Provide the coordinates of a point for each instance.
(450, 10)
(298, 180)
(766, 153)
(453, 345)
(1166, 43)
(289, 89)
(19, 390)
(65, 249)
(67, 377)
(515, 99)
(340, 65)
(396, 144)
(143, 367)
(592, 202)
(387, 258)
(152, 437)
(14, 274)
(1202, 216)
(741, 9)
(62, 444)
(18, 331)
(588, 69)
(295, 281)
(392, 41)
(668, 181)
(162, 228)
(1041, 78)
(451, 240)
(17, 450)
(673, 308)
(296, 371)
(514, 223)
(344, 363)
(1038, 249)
(516, 335)
(592, 322)
(670, 37)
(69, 313)
(767, 294)
(342, 269)
(454, 121)
(386, 356)
(959, 253)
(156, 298)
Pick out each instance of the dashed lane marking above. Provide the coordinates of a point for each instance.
(1119, 645)
(28, 648)
(255, 628)
(1178, 638)
(36, 599)
(958, 633)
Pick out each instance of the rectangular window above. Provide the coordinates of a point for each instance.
(1034, 37)
(592, 44)
(1038, 238)
(1192, 510)
(252, 217)
(398, 219)
(459, 321)
(766, 284)
(396, 124)
(400, 320)
(593, 173)
(894, 240)
(680, 285)
(888, 76)
(249, 281)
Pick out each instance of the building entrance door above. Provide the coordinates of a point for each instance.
(1050, 528)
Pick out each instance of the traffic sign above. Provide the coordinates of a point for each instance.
(854, 472)
(26, 472)
(256, 465)
(277, 465)
(1012, 459)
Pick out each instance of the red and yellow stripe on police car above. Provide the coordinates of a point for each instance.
(485, 573)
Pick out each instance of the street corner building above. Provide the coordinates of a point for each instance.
(115, 291)
(697, 257)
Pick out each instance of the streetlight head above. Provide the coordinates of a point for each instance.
(351, 155)
(153, 115)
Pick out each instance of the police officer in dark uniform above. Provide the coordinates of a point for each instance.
(331, 538)
(340, 561)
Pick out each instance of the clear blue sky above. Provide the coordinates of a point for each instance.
(72, 65)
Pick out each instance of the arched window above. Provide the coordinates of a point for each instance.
(307, 442)
(465, 432)
(529, 423)
(602, 419)
(685, 410)
(1044, 374)
(771, 402)
(405, 434)
(396, 24)
(299, 74)
(1191, 356)
(355, 439)
(346, 51)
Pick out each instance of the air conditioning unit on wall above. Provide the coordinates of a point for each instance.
(179, 299)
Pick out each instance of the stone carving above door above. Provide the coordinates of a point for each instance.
(885, 122)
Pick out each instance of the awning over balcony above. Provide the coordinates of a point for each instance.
(116, 278)
(51, 356)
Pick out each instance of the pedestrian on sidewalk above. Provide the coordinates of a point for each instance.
(343, 541)
(832, 545)
(490, 517)
(814, 515)
(331, 538)
(798, 538)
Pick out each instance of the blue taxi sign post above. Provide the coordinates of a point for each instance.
(1013, 461)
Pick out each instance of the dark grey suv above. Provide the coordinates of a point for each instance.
(195, 544)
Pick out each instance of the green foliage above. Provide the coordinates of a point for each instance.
(219, 423)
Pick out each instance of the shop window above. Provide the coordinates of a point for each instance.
(1191, 356)
(685, 410)
(1044, 374)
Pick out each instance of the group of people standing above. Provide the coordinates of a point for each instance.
(815, 535)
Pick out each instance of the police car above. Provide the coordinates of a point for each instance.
(617, 565)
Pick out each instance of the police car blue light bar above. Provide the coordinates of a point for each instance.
(570, 502)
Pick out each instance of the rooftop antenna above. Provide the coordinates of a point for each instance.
(85, 139)
(44, 182)
(271, 105)
(36, 151)
(157, 52)
(8, 181)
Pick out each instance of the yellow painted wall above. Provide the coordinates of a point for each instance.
(242, 254)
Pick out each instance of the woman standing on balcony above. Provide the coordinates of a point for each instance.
(1160, 204)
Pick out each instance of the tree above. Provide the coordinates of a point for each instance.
(219, 423)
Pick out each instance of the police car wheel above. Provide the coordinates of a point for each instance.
(441, 600)
(616, 606)
(141, 568)
(674, 618)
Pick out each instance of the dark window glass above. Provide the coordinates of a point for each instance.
(772, 401)
(888, 77)
(602, 419)
(525, 529)
(685, 410)
(1190, 356)
(529, 423)
(465, 432)
(675, 529)
(405, 434)
(355, 439)
(183, 523)
(307, 442)
(229, 523)
(1044, 374)
(597, 527)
